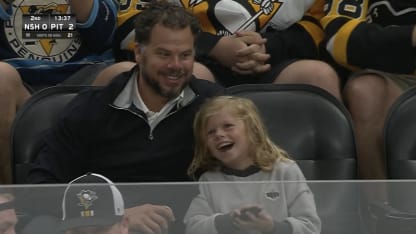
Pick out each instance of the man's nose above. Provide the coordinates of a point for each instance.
(174, 61)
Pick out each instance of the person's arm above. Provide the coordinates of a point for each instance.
(243, 52)
(221, 49)
(5, 10)
(95, 19)
(356, 44)
(4, 4)
(200, 218)
(81, 9)
(299, 41)
(303, 217)
(150, 218)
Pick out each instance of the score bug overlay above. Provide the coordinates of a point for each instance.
(36, 26)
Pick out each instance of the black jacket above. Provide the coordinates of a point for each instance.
(93, 135)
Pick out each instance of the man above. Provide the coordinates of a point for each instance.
(34, 63)
(139, 127)
(90, 207)
(90, 203)
(8, 218)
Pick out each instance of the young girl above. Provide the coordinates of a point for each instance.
(232, 146)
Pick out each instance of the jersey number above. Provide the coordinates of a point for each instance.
(349, 8)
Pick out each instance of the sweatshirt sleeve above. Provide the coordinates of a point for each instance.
(202, 219)
(354, 43)
(299, 41)
(303, 217)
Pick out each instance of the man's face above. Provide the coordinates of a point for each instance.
(166, 62)
(8, 221)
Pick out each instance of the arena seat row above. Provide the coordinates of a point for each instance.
(314, 127)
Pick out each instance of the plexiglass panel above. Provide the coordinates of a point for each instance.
(343, 206)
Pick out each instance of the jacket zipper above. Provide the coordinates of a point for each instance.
(150, 136)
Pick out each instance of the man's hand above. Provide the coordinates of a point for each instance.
(253, 58)
(224, 52)
(150, 219)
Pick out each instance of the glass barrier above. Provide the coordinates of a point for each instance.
(348, 207)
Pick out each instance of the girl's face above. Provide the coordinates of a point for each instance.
(227, 140)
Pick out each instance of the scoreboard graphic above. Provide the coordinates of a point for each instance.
(37, 26)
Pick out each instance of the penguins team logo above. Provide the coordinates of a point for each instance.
(86, 200)
(49, 49)
(232, 16)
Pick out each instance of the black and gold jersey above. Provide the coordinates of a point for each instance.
(225, 17)
(371, 34)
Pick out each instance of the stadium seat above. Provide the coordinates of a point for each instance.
(400, 153)
(399, 137)
(35, 116)
(316, 130)
(310, 124)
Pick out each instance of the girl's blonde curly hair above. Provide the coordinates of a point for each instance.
(263, 150)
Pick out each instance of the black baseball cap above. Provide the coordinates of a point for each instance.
(91, 200)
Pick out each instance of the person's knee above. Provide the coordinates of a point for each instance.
(312, 72)
(309, 72)
(202, 72)
(10, 81)
(366, 98)
(109, 73)
(362, 89)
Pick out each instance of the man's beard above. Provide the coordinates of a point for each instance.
(155, 85)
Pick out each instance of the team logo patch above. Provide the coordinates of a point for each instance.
(274, 195)
(86, 200)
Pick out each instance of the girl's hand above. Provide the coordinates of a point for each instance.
(253, 217)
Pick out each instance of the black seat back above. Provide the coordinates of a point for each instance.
(400, 151)
(316, 130)
(310, 124)
(32, 119)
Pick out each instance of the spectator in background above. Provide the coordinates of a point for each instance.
(232, 145)
(89, 207)
(90, 203)
(374, 41)
(8, 218)
(139, 127)
(44, 62)
(246, 42)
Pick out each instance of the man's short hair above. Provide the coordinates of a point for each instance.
(91, 200)
(168, 14)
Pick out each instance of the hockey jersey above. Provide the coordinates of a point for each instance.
(372, 34)
(225, 17)
(48, 61)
